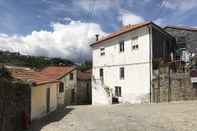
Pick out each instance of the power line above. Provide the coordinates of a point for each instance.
(91, 10)
(90, 13)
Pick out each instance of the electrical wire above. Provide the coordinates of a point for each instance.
(91, 10)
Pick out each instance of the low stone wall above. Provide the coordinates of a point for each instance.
(15, 99)
(173, 86)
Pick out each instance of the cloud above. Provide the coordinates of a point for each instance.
(129, 18)
(182, 5)
(69, 41)
(97, 4)
(159, 21)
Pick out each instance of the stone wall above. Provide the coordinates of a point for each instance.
(172, 86)
(15, 98)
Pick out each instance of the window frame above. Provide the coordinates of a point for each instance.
(122, 73)
(61, 87)
(71, 76)
(101, 73)
(134, 43)
(121, 46)
(118, 91)
(102, 51)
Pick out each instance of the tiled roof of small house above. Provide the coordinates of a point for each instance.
(123, 30)
(57, 72)
(30, 75)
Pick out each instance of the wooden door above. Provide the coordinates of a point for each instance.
(48, 100)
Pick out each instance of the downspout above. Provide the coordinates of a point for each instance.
(150, 59)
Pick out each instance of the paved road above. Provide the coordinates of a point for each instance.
(180, 116)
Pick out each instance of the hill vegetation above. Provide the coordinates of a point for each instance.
(16, 59)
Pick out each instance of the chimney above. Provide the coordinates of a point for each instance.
(97, 37)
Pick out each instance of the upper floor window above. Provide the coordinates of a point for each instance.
(122, 73)
(102, 51)
(134, 43)
(71, 76)
(121, 46)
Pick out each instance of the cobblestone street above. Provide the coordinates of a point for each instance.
(180, 116)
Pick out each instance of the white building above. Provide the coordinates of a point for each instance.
(123, 63)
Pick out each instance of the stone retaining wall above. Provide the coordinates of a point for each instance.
(178, 87)
(15, 99)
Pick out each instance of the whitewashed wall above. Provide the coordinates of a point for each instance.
(137, 64)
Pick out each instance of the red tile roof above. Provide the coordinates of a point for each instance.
(123, 30)
(30, 75)
(47, 75)
(56, 72)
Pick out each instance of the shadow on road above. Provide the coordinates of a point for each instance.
(57, 115)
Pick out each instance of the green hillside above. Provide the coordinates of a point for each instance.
(16, 59)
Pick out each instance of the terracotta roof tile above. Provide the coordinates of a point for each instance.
(30, 75)
(56, 72)
(123, 30)
(47, 75)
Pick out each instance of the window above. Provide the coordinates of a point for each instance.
(87, 90)
(194, 85)
(102, 51)
(122, 73)
(101, 73)
(134, 43)
(121, 46)
(71, 76)
(61, 87)
(118, 91)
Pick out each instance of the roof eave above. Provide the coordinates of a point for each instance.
(46, 82)
(180, 28)
(108, 38)
(66, 73)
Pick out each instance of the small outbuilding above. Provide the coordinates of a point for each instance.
(43, 90)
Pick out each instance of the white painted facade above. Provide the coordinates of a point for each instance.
(137, 67)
